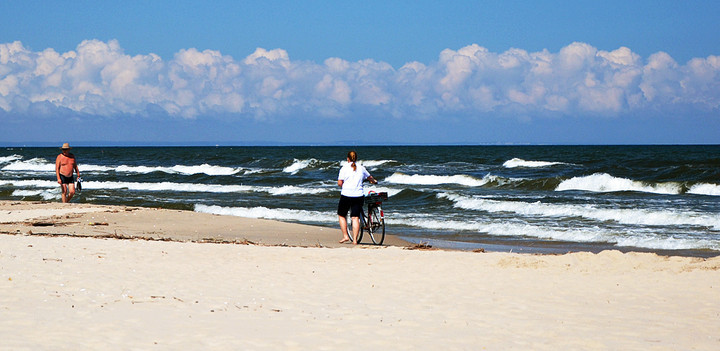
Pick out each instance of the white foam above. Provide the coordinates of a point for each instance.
(589, 234)
(603, 182)
(509, 229)
(6, 159)
(282, 214)
(624, 216)
(293, 190)
(368, 163)
(374, 163)
(181, 169)
(172, 187)
(518, 162)
(417, 179)
(169, 186)
(94, 168)
(192, 187)
(27, 192)
(45, 194)
(705, 189)
(32, 183)
(669, 243)
(42, 165)
(248, 171)
(298, 165)
(32, 165)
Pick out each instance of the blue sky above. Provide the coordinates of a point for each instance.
(371, 72)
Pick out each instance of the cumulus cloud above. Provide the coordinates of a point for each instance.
(98, 78)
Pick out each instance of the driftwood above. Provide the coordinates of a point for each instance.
(421, 246)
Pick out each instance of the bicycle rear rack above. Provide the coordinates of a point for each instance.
(374, 198)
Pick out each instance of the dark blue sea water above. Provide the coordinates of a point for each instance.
(537, 198)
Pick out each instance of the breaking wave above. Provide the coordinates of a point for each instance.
(603, 183)
(299, 165)
(705, 189)
(6, 159)
(281, 214)
(624, 216)
(180, 169)
(517, 162)
(173, 187)
(417, 179)
(588, 234)
(42, 165)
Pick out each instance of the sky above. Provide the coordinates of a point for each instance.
(359, 72)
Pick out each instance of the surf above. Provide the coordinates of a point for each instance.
(645, 217)
(173, 187)
(518, 162)
(282, 214)
(604, 183)
(418, 179)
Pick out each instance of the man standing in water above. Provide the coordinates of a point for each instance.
(65, 164)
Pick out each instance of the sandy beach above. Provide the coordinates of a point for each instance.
(67, 282)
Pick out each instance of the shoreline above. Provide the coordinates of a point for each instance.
(177, 225)
(130, 222)
(76, 287)
(559, 248)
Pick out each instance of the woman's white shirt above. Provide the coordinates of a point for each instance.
(352, 180)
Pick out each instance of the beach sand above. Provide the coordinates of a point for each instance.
(297, 289)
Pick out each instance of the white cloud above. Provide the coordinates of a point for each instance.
(335, 89)
(576, 57)
(276, 55)
(98, 78)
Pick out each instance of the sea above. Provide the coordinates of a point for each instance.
(537, 199)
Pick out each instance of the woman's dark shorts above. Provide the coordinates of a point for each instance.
(67, 180)
(354, 204)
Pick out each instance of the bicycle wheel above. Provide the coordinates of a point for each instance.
(362, 225)
(376, 229)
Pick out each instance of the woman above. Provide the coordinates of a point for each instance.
(65, 164)
(350, 179)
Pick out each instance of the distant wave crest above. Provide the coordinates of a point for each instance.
(518, 162)
(374, 163)
(172, 186)
(418, 179)
(299, 165)
(42, 165)
(181, 169)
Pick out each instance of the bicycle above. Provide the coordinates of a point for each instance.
(373, 221)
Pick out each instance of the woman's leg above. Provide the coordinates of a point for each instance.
(355, 229)
(343, 229)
